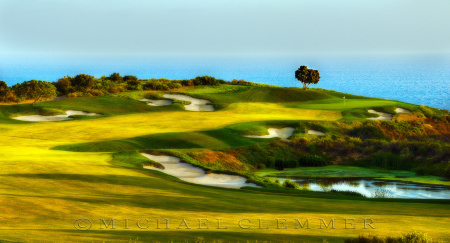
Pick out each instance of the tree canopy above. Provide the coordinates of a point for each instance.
(130, 78)
(64, 85)
(4, 91)
(35, 90)
(307, 76)
(205, 80)
(83, 82)
(115, 77)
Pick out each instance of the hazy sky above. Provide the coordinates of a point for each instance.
(218, 27)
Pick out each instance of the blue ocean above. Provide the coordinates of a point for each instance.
(413, 79)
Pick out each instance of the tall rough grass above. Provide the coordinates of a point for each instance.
(408, 237)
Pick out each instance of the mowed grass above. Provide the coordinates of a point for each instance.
(44, 191)
(133, 125)
(231, 136)
(211, 139)
(338, 104)
(106, 106)
(225, 95)
(45, 197)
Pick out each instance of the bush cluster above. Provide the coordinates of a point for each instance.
(87, 85)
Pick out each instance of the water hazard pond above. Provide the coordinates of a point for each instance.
(377, 188)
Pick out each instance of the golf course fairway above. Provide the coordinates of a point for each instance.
(63, 180)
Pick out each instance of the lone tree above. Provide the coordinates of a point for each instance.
(307, 76)
(35, 90)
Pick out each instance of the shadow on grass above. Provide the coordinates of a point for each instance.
(163, 235)
(173, 195)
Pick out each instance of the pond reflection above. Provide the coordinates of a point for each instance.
(377, 188)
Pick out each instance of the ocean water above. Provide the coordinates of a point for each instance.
(413, 79)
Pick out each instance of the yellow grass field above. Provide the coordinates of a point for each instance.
(44, 191)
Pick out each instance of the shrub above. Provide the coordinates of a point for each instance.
(114, 90)
(387, 160)
(155, 85)
(150, 85)
(133, 84)
(7, 94)
(291, 184)
(367, 132)
(409, 237)
(162, 86)
(241, 82)
(63, 85)
(75, 94)
(312, 160)
(446, 171)
(173, 85)
(221, 81)
(96, 92)
(128, 78)
(205, 80)
(187, 83)
(83, 82)
(115, 77)
(280, 164)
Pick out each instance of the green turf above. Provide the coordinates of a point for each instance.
(107, 106)
(44, 191)
(211, 139)
(229, 137)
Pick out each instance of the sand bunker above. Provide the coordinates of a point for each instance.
(283, 133)
(314, 132)
(190, 173)
(157, 102)
(382, 116)
(39, 118)
(195, 105)
(401, 110)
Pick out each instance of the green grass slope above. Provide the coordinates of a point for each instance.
(44, 191)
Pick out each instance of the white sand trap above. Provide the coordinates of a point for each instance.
(382, 116)
(401, 110)
(283, 133)
(314, 132)
(195, 105)
(157, 102)
(39, 118)
(221, 180)
(193, 174)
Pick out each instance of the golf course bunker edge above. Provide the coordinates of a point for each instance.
(381, 116)
(40, 118)
(161, 102)
(314, 132)
(283, 133)
(196, 175)
(195, 105)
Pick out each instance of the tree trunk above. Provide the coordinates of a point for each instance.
(36, 100)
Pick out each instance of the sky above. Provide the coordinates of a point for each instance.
(223, 27)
